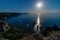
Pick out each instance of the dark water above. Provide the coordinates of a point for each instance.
(47, 19)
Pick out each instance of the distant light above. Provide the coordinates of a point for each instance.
(39, 5)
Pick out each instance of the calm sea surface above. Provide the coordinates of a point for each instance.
(45, 19)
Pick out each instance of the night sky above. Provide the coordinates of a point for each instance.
(28, 5)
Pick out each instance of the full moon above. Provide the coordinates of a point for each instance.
(39, 5)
